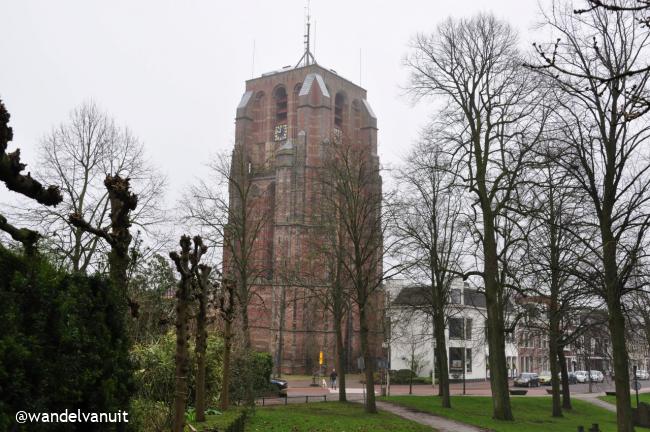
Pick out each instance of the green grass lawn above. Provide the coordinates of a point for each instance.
(532, 414)
(327, 417)
(220, 422)
(643, 397)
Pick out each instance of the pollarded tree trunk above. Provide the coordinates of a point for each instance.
(566, 392)
(182, 354)
(371, 406)
(186, 264)
(441, 357)
(201, 339)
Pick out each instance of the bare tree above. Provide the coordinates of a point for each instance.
(229, 212)
(227, 310)
(187, 264)
(554, 257)
(77, 156)
(432, 233)
(493, 118)
(604, 151)
(10, 174)
(351, 173)
(331, 285)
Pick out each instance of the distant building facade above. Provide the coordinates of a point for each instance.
(411, 335)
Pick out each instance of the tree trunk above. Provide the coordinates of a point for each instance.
(182, 356)
(621, 373)
(340, 357)
(200, 349)
(553, 356)
(441, 357)
(496, 336)
(566, 392)
(225, 380)
(371, 407)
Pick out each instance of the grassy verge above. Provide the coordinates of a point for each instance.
(327, 417)
(532, 414)
(218, 422)
(643, 397)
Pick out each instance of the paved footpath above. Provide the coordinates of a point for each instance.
(438, 423)
(592, 398)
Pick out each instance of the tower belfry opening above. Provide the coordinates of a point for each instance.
(307, 57)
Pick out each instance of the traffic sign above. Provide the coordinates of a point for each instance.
(636, 385)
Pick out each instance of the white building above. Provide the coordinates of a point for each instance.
(411, 335)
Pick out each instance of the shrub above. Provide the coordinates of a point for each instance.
(250, 370)
(155, 367)
(63, 343)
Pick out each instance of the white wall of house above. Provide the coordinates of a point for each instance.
(412, 337)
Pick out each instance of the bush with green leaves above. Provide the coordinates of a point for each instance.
(63, 343)
(155, 365)
(250, 370)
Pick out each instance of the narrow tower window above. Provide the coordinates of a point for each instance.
(338, 110)
(280, 96)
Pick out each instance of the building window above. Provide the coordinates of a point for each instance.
(460, 328)
(455, 296)
(456, 329)
(468, 328)
(339, 101)
(455, 359)
(468, 359)
(280, 105)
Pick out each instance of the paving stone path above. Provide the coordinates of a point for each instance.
(440, 424)
(593, 399)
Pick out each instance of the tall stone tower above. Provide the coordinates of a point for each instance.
(284, 121)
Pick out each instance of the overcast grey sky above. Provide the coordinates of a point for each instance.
(174, 71)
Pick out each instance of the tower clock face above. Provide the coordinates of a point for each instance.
(280, 132)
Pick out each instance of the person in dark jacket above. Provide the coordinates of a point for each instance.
(333, 377)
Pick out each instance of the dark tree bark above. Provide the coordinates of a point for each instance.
(201, 345)
(227, 311)
(10, 174)
(186, 263)
(117, 235)
(566, 392)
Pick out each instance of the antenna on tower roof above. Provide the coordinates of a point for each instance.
(307, 58)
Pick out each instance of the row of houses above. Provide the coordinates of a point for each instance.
(411, 344)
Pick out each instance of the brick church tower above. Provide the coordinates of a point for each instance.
(283, 122)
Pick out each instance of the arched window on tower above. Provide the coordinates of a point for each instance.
(339, 103)
(281, 107)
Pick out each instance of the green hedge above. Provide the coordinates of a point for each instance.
(63, 343)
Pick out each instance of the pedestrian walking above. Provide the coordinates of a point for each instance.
(333, 377)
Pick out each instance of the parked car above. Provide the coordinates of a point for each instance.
(597, 376)
(642, 374)
(572, 378)
(527, 379)
(581, 376)
(279, 386)
(545, 378)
